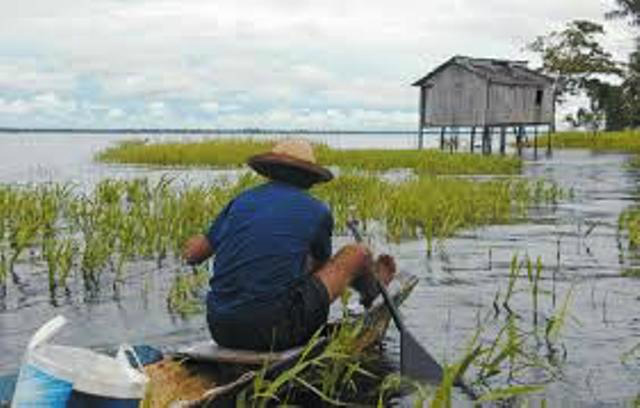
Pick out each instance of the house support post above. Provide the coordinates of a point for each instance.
(535, 141)
(443, 131)
(472, 146)
(503, 139)
(486, 143)
(422, 114)
(519, 139)
(457, 139)
(490, 140)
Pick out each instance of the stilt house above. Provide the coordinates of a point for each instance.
(486, 93)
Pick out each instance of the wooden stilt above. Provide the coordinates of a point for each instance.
(442, 134)
(503, 139)
(485, 140)
(519, 139)
(473, 139)
(457, 139)
(422, 105)
(535, 141)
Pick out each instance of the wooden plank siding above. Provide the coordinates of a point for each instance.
(471, 92)
(516, 104)
(455, 97)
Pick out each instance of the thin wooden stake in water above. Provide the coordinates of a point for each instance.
(415, 361)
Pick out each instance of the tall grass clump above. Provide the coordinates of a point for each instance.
(627, 141)
(327, 370)
(421, 161)
(629, 221)
(215, 153)
(503, 359)
(431, 207)
(99, 234)
(235, 152)
(186, 295)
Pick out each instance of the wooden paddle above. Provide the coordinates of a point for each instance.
(415, 361)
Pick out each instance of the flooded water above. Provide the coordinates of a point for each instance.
(578, 242)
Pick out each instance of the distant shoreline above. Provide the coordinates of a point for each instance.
(248, 131)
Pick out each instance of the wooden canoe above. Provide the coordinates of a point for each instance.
(208, 375)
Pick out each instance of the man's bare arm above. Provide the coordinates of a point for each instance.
(197, 250)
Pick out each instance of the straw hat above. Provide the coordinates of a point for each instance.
(291, 160)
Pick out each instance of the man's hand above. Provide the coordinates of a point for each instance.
(196, 250)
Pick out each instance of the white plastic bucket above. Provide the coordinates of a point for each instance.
(61, 376)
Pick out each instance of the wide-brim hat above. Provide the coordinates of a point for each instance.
(293, 159)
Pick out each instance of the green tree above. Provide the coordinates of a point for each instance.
(630, 10)
(631, 88)
(575, 57)
(627, 9)
(607, 105)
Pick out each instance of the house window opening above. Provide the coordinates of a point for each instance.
(539, 97)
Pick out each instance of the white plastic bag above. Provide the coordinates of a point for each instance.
(57, 376)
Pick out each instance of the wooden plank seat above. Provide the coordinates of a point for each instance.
(210, 352)
(376, 318)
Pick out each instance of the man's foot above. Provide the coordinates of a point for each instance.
(366, 284)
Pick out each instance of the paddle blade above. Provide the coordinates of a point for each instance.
(416, 362)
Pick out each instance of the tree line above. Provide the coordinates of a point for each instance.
(580, 65)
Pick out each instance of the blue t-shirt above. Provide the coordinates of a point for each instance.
(261, 240)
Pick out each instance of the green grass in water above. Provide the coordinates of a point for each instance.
(629, 221)
(628, 141)
(123, 222)
(432, 208)
(230, 153)
(504, 360)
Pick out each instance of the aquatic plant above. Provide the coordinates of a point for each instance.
(229, 153)
(508, 365)
(326, 369)
(120, 222)
(186, 293)
(432, 207)
(629, 221)
(505, 367)
(421, 161)
(215, 153)
(628, 141)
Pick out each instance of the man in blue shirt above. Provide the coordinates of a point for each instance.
(274, 277)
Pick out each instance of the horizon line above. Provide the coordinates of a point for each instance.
(247, 130)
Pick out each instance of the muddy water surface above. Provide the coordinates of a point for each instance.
(578, 242)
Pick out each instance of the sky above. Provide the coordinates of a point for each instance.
(285, 64)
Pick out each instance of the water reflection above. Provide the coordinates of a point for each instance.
(578, 243)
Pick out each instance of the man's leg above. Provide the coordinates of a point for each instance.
(353, 265)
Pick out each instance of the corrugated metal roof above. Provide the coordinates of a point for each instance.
(495, 70)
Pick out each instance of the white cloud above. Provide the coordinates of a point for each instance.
(26, 75)
(14, 107)
(210, 106)
(327, 119)
(323, 64)
(115, 113)
(47, 103)
(157, 108)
